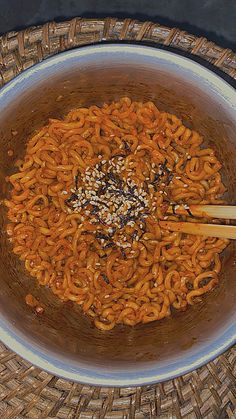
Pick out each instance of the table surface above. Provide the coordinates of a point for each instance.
(213, 19)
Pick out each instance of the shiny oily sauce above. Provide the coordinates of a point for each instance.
(85, 205)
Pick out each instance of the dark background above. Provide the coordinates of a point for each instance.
(214, 19)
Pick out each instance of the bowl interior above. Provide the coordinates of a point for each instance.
(63, 336)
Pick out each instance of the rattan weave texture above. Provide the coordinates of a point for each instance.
(25, 390)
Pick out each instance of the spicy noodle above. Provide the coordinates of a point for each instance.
(85, 205)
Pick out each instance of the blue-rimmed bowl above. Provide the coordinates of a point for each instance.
(63, 341)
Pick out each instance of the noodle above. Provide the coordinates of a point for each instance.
(85, 204)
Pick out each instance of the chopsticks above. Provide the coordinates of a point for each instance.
(212, 230)
(212, 211)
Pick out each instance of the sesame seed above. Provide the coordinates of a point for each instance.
(107, 198)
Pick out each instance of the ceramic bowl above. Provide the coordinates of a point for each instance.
(63, 341)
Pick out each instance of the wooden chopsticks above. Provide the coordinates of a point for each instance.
(212, 230)
(214, 211)
(211, 211)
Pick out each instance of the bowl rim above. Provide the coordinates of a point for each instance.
(45, 360)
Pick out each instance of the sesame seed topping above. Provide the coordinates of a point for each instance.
(108, 197)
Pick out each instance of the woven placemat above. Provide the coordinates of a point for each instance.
(25, 390)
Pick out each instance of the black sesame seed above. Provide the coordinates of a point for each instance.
(123, 220)
(189, 212)
(101, 190)
(101, 236)
(156, 178)
(123, 253)
(169, 178)
(134, 235)
(109, 245)
(73, 197)
(163, 165)
(105, 278)
(95, 209)
(99, 219)
(173, 208)
(77, 179)
(126, 146)
(85, 203)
